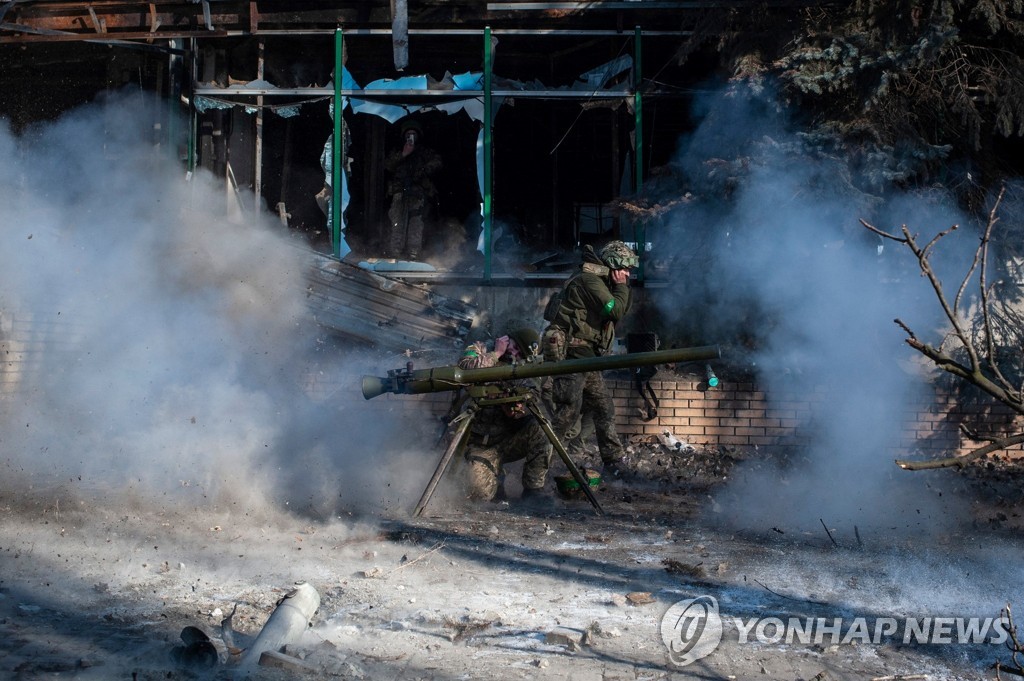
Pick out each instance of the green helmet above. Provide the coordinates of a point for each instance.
(618, 256)
(527, 340)
(411, 124)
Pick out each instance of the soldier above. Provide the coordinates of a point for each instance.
(411, 191)
(583, 325)
(502, 434)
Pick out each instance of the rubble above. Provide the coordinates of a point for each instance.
(563, 636)
(640, 598)
(501, 604)
(675, 567)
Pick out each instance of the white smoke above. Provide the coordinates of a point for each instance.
(154, 347)
(786, 253)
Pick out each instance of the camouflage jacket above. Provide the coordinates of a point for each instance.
(478, 356)
(493, 423)
(412, 173)
(589, 308)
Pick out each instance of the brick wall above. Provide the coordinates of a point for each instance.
(734, 414)
(737, 414)
(741, 415)
(932, 427)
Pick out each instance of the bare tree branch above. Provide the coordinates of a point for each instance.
(983, 248)
(961, 461)
(882, 233)
(972, 374)
(978, 253)
(981, 368)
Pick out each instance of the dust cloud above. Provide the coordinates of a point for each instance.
(155, 350)
(785, 257)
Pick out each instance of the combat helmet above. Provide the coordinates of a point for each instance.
(527, 340)
(411, 124)
(618, 256)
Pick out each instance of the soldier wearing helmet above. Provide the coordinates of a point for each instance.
(503, 434)
(411, 191)
(583, 325)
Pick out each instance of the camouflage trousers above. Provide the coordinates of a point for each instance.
(487, 461)
(404, 235)
(574, 395)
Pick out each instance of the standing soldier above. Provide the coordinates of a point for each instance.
(502, 434)
(411, 191)
(583, 325)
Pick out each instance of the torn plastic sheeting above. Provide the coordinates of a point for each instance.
(393, 112)
(282, 111)
(468, 81)
(389, 112)
(327, 163)
(287, 111)
(204, 104)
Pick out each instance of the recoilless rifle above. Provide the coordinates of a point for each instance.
(495, 386)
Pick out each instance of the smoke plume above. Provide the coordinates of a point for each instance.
(153, 348)
(780, 255)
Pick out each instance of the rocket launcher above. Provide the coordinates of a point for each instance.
(483, 387)
(410, 381)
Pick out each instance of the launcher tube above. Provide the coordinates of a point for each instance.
(440, 379)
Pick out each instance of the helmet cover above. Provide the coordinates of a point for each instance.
(618, 256)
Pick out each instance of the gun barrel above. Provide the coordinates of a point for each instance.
(440, 379)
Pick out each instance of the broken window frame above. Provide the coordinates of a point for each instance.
(342, 96)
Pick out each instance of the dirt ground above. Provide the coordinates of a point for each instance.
(101, 586)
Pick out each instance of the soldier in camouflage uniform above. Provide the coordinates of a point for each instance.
(502, 434)
(411, 191)
(583, 325)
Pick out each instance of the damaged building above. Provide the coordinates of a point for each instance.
(543, 115)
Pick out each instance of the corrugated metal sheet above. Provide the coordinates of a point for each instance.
(384, 313)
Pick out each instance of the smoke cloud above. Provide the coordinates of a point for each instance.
(153, 348)
(784, 255)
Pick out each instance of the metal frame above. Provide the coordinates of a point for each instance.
(487, 95)
(338, 146)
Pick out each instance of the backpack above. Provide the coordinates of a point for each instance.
(554, 302)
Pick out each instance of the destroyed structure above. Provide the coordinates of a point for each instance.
(544, 113)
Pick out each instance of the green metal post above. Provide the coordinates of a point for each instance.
(193, 124)
(174, 78)
(639, 229)
(337, 146)
(488, 155)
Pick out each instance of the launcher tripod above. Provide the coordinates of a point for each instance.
(485, 389)
(481, 396)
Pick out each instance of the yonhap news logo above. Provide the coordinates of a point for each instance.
(692, 629)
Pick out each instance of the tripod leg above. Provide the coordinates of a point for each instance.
(564, 455)
(458, 441)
